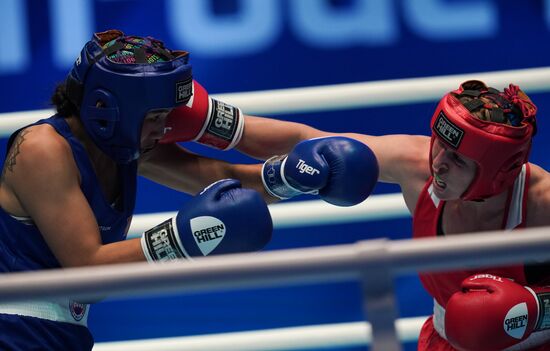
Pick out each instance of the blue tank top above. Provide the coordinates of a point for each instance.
(22, 247)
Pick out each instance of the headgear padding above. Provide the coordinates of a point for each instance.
(498, 149)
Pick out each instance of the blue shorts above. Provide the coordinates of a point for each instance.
(30, 333)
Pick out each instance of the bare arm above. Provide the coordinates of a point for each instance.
(44, 183)
(265, 137)
(399, 156)
(403, 159)
(182, 170)
(538, 207)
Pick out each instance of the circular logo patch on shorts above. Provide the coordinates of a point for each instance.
(78, 310)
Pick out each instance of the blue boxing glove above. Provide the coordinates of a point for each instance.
(223, 218)
(343, 171)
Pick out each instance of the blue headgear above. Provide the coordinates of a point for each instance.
(114, 98)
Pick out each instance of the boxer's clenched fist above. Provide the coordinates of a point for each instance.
(223, 218)
(206, 121)
(343, 171)
(492, 313)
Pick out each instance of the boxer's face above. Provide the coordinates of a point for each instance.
(152, 129)
(453, 172)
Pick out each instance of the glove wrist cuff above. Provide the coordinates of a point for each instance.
(223, 127)
(162, 243)
(543, 301)
(274, 179)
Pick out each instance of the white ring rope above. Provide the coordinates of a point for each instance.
(294, 266)
(312, 337)
(341, 96)
(305, 213)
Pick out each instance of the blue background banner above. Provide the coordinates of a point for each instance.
(248, 45)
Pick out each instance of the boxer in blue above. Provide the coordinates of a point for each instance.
(68, 184)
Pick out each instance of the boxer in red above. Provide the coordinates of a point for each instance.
(471, 175)
(482, 180)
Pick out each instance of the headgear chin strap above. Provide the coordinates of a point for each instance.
(114, 97)
(499, 149)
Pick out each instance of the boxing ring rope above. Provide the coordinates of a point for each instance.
(373, 260)
(342, 96)
(369, 261)
(305, 213)
(354, 334)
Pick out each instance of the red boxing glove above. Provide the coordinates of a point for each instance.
(204, 120)
(492, 313)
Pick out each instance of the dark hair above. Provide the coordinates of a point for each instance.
(61, 101)
(484, 111)
(488, 104)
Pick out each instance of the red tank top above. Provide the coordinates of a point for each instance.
(425, 224)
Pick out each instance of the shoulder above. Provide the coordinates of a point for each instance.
(404, 160)
(37, 151)
(40, 143)
(538, 201)
(401, 157)
(38, 163)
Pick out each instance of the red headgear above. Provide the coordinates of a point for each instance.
(498, 149)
